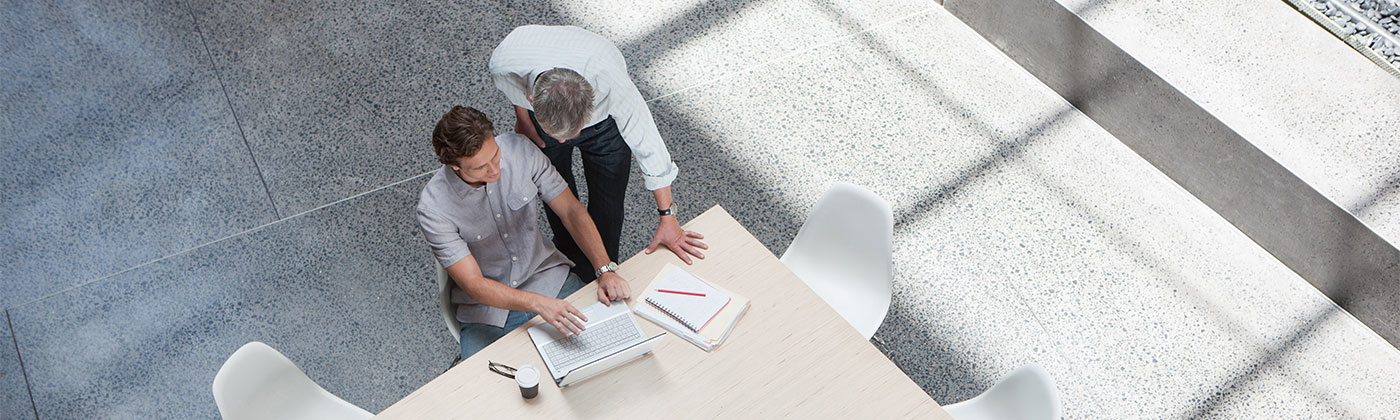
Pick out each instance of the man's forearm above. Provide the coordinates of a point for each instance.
(585, 233)
(663, 197)
(525, 127)
(495, 294)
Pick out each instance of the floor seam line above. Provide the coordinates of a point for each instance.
(228, 100)
(236, 121)
(9, 322)
(791, 54)
(221, 239)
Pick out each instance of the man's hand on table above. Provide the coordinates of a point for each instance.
(612, 287)
(682, 242)
(559, 313)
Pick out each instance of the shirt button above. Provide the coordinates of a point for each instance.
(478, 237)
(505, 235)
(498, 215)
(514, 258)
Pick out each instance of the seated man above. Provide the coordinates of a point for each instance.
(478, 214)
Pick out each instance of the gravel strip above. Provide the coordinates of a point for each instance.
(1375, 23)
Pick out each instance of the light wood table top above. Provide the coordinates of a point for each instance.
(790, 356)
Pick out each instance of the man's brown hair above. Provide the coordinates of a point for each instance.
(460, 133)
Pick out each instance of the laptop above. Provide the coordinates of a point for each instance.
(611, 337)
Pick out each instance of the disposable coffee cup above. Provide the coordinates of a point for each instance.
(529, 380)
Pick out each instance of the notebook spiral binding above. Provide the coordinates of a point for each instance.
(673, 315)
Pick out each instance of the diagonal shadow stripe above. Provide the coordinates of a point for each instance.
(1316, 238)
(1389, 187)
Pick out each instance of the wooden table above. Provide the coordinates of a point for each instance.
(790, 356)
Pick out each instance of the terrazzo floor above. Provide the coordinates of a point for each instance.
(187, 176)
(1311, 102)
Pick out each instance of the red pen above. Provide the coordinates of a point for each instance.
(680, 292)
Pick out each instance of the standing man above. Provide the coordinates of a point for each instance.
(570, 89)
(478, 214)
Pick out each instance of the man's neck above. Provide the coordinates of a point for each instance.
(469, 183)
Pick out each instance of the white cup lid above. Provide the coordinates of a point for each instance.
(527, 376)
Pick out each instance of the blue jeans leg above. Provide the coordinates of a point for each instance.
(477, 336)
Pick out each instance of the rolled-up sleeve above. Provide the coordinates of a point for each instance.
(443, 237)
(638, 129)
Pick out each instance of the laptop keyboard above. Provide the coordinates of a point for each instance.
(598, 337)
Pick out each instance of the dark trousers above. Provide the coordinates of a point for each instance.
(607, 164)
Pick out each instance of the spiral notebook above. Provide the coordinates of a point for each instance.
(687, 299)
(709, 324)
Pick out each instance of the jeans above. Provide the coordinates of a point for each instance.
(477, 336)
(607, 164)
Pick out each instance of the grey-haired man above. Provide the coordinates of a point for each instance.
(570, 89)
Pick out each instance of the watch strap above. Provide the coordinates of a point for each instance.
(612, 266)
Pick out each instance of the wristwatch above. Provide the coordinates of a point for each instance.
(667, 212)
(612, 266)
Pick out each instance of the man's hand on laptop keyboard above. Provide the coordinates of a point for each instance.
(612, 287)
(562, 315)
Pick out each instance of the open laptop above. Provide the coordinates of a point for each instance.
(610, 338)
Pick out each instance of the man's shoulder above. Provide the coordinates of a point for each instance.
(515, 142)
(434, 191)
(540, 33)
(529, 41)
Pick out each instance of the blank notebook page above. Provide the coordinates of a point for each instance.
(692, 311)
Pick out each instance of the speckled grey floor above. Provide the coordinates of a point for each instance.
(1322, 110)
(14, 392)
(342, 291)
(1025, 232)
(119, 146)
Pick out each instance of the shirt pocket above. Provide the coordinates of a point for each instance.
(521, 194)
(486, 247)
(477, 236)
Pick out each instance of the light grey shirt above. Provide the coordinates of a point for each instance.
(534, 49)
(496, 224)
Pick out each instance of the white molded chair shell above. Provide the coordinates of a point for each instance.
(1027, 393)
(449, 311)
(259, 383)
(844, 253)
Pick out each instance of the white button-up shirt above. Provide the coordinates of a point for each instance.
(533, 49)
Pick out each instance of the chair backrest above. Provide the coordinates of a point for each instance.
(258, 382)
(844, 252)
(1027, 393)
(449, 311)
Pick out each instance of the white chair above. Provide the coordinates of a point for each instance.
(1027, 393)
(259, 383)
(844, 253)
(449, 311)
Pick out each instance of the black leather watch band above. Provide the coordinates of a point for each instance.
(666, 212)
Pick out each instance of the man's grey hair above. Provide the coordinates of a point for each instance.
(563, 102)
